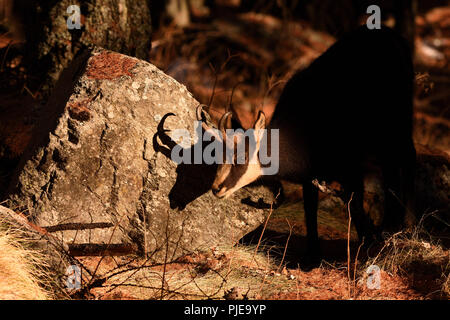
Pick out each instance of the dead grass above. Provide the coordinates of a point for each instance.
(419, 258)
(224, 272)
(21, 269)
(412, 267)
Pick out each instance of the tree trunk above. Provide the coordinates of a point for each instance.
(405, 14)
(120, 25)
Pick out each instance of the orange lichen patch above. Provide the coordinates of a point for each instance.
(109, 66)
(79, 110)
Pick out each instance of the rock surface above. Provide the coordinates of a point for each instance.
(99, 170)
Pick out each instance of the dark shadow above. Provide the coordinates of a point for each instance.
(193, 180)
(333, 251)
(51, 114)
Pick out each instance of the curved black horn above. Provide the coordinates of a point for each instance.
(223, 120)
(200, 112)
(160, 127)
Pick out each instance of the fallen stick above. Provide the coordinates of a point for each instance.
(77, 226)
(101, 249)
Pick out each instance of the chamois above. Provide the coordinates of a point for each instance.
(350, 109)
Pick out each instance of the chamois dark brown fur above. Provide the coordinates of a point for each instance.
(351, 108)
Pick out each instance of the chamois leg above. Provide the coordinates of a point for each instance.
(399, 191)
(311, 198)
(393, 207)
(408, 174)
(363, 224)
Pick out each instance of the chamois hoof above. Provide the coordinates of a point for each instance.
(311, 259)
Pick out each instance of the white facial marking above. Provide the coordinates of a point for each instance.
(250, 175)
(253, 170)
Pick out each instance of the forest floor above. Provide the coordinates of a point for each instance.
(412, 266)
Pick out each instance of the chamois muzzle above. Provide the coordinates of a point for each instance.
(231, 176)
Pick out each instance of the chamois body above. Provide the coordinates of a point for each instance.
(351, 108)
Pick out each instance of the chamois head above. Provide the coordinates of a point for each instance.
(240, 165)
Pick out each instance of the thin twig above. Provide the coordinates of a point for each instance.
(348, 244)
(103, 256)
(285, 247)
(165, 257)
(265, 224)
(356, 264)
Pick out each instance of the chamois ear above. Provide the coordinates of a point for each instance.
(202, 114)
(260, 122)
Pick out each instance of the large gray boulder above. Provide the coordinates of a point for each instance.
(98, 170)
